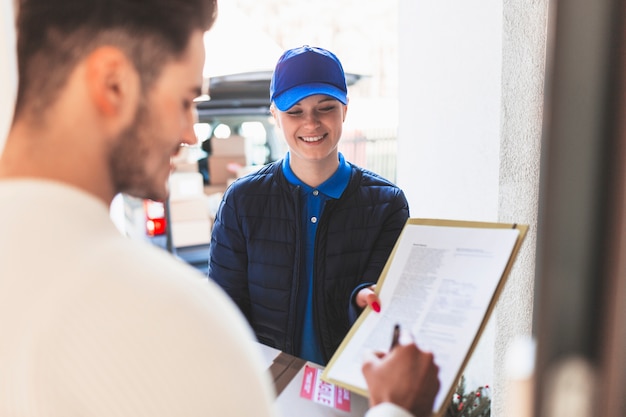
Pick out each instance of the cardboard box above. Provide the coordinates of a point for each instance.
(185, 184)
(234, 145)
(326, 401)
(190, 233)
(215, 190)
(192, 208)
(223, 168)
(294, 379)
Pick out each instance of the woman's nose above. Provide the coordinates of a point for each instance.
(311, 119)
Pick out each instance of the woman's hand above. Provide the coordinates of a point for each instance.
(367, 297)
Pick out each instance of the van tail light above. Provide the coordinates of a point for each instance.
(155, 217)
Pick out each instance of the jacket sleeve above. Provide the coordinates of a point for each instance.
(228, 259)
(354, 310)
(396, 213)
(395, 216)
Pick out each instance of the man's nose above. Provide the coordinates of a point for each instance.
(189, 134)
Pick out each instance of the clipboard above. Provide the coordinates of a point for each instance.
(436, 265)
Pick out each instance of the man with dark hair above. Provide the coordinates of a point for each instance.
(92, 323)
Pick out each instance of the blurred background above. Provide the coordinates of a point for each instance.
(251, 36)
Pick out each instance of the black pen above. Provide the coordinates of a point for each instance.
(395, 338)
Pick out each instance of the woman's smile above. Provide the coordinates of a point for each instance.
(311, 139)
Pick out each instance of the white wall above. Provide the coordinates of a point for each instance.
(8, 68)
(449, 120)
(523, 72)
(470, 112)
(450, 55)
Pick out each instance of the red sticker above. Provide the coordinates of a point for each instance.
(308, 382)
(322, 392)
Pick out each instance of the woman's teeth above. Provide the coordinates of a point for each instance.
(311, 138)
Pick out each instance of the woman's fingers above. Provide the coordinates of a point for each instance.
(367, 297)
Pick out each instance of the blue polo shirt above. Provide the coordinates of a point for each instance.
(313, 200)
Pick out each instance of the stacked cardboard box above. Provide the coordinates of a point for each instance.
(227, 158)
(189, 210)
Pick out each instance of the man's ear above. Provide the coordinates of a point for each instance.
(113, 82)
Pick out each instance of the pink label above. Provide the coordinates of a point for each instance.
(322, 392)
(308, 382)
(342, 399)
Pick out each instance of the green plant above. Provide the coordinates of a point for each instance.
(476, 403)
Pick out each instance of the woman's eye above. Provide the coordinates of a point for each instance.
(327, 108)
(294, 112)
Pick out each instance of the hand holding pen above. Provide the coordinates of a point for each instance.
(395, 337)
(406, 377)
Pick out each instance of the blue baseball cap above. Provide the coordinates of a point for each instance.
(305, 71)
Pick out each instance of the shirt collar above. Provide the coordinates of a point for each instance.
(332, 187)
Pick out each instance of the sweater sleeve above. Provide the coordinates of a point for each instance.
(388, 410)
(178, 347)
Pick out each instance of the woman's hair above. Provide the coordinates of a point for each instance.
(54, 35)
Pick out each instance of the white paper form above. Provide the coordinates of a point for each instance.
(438, 286)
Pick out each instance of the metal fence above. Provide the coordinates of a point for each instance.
(374, 149)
